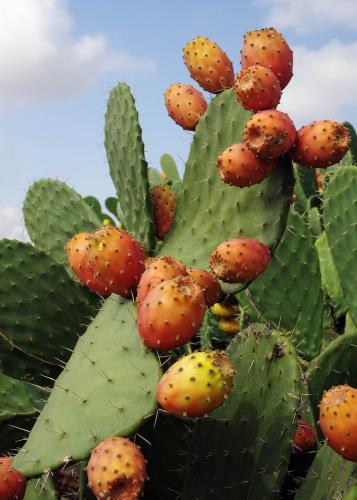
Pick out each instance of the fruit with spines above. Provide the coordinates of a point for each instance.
(269, 133)
(321, 144)
(196, 384)
(257, 88)
(109, 260)
(338, 420)
(171, 313)
(239, 260)
(268, 48)
(185, 105)
(158, 270)
(116, 470)
(164, 208)
(239, 166)
(210, 285)
(208, 65)
(305, 436)
(12, 482)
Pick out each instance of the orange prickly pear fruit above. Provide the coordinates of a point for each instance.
(210, 285)
(257, 88)
(338, 420)
(12, 482)
(116, 470)
(171, 313)
(196, 384)
(239, 260)
(268, 48)
(164, 208)
(305, 436)
(158, 270)
(185, 105)
(208, 65)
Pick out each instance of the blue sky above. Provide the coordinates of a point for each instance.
(58, 61)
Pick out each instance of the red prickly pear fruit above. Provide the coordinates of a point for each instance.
(338, 420)
(109, 260)
(269, 133)
(257, 88)
(208, 65)
(268, 48)
(239, 260)
(171, 313)
(116, 470)
(239, 166)
(210, 285)
(321, 144)
(158, 270)
(185, 105)
(196, 384)
(305, 436)
(164, 208)
(12, 482)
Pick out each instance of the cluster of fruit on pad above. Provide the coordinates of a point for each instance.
(153, 346)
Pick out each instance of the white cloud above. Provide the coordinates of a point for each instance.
(324, 83)
(40, 57)
(305, 16)
(11, 224)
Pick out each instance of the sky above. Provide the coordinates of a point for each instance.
(59, 59)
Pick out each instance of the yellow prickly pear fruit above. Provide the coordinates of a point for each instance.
(196, 384)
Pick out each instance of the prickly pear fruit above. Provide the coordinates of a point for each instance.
(257, 88)
(185, 105)
(210, 285)
(158, 270)
(268, 48)
(239, 260)
(116, 470)
(12, 482)
(269, 133)
(338, 420)
(196, 384)
(224, 311)
(305, 436)
(239, 166)
(321, 144)
(230, 326)
(164, 208)
(208, 65)
(109, 260)
(171, 313)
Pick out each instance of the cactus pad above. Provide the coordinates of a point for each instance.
(18, 398)
(340, 217)
(209, 211)
(230, 455)
(107, 388)
(42, 309)
(128, 168)
(288, 295)
(53, 214)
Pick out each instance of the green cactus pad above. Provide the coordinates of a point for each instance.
(111, 204)
(128, 168)
(340, 217)
(288, 295)
(209, 211)
(351, 494)
(353, 145)
(18, 398)
(243, 452)
(154, 177)
(329, 278)
(41, 488)
(328, 478)
(53, 214)
(42, 309)
(169, 167)
(107, 388)
(314, 220)
(334, 366)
